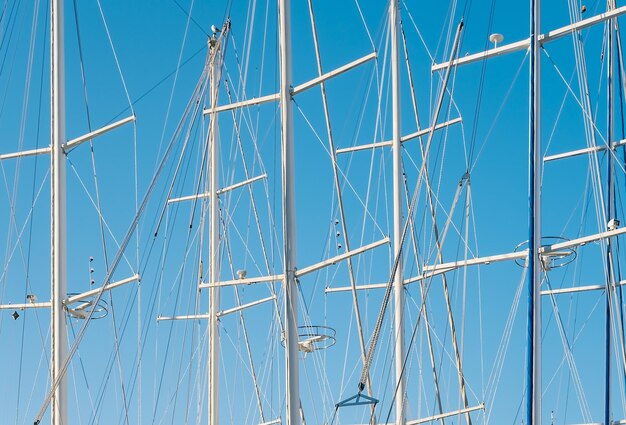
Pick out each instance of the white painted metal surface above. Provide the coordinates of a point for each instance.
(398, 284)
(292, 388)
(58, 337)
(525, 44)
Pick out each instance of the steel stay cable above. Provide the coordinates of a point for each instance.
(117, 62)
(26, 224)
(98, 198)
(197, 94)
(494, 378)
(337, 187)
(98, 205)
(254, 206)
(376, 333)
(439, 257)
(244, 329)
(34, 197)
(422, 310)
(567, 348)
(481, 86)
(111, 270)
(431, 353)
(12, 194)
(28, 258)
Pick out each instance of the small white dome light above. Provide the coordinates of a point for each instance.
(496, 38)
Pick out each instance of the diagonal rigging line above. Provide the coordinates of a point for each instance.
(586, 113)
(379, 322)
(338, 191)
(97, 187)
(20, 233)
(114, 263)
(244, 162)
(347, 181)
(433, 199)
(251, 370)
(580, 392)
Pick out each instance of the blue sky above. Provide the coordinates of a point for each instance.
(149, 40)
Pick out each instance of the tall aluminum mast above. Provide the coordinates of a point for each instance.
(58, 219)
(214, 297)
(398, 285)
(289, 218)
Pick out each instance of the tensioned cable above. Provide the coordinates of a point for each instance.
(414, 243)
(337, 186)
(245, 333)
(481, 86)
(84, 373)
(575, 339)
(496, 372)
(369, 36)
(254, 204)
(567, 348)
(589, 121)
(98, 199)
(12, 194)
(191, 235)
(178, 66)
(11, 24)
(117, 62)
(201, 87)
(411, 342)
(394, 269)
(189, 17)
(431, 195)
(160, 82)
(584, 111)
(439, 243)
(98, 211)
(347, 181)
(21, 231)
(432, 59)
(33, 190)
(114, 264)
(193, 297)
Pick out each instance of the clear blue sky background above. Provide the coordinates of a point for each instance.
(150, 40)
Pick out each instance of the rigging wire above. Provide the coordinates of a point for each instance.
(481, 85)
(34, 194)
(98, 201)
(400, 253)
(113, 267)
(12, 194)
(569, 356)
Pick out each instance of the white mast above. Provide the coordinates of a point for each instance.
(214, 342)
(58, 231)
(397, 213)
(289, 221)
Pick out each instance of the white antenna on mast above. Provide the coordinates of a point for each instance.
(496, 38)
